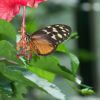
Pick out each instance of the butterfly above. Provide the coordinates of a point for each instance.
(46, 40)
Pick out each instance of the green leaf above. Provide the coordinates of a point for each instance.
(50, 63)
(30, 79)
(87, 91)
(7, 50)
(9, 72)
(85, 55)
(6, 89)
(74, 63)
(47, 86)
(62, 48)
(42, 73)
(20, 90)
(8, 53)
(15, 74)
(65, 69)
(31, 26)
(73, 35)
(7, 31)
(74, 60)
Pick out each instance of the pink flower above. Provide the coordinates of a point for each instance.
(34, 3)
(10, 8)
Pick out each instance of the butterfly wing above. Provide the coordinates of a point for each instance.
(41, 45)
(45, 40)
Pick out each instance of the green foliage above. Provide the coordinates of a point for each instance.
(7, 49)
(86, 55)
(31, 26)
(40, 73)
(74, 63)
(87, 91)
(7, 31)
(50, 63)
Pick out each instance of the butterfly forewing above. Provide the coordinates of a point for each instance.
(45, 40)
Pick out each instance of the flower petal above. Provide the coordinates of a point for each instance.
(8, 9)
(34, 3)
(21, 2)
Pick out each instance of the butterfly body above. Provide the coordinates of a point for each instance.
(45, 40)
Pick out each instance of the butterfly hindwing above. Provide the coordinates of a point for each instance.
(41, 46)
(45, 40)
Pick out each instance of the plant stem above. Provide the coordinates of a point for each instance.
(23, 22)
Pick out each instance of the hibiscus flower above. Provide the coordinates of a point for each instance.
(10, 8)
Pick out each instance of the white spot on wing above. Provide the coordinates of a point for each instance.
(53, 36)
(61, 27)
(54, 29)
(68, 33)
(48, 32)
(57, 25)
(48, 26)
(65, 34)
(45, 30)
(59, 35)
(67, 29)
(63, 31)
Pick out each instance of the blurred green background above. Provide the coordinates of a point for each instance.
(83, 16)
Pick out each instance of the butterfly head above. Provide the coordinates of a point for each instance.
(28, 37)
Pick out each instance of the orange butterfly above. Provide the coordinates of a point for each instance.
(45, 40)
